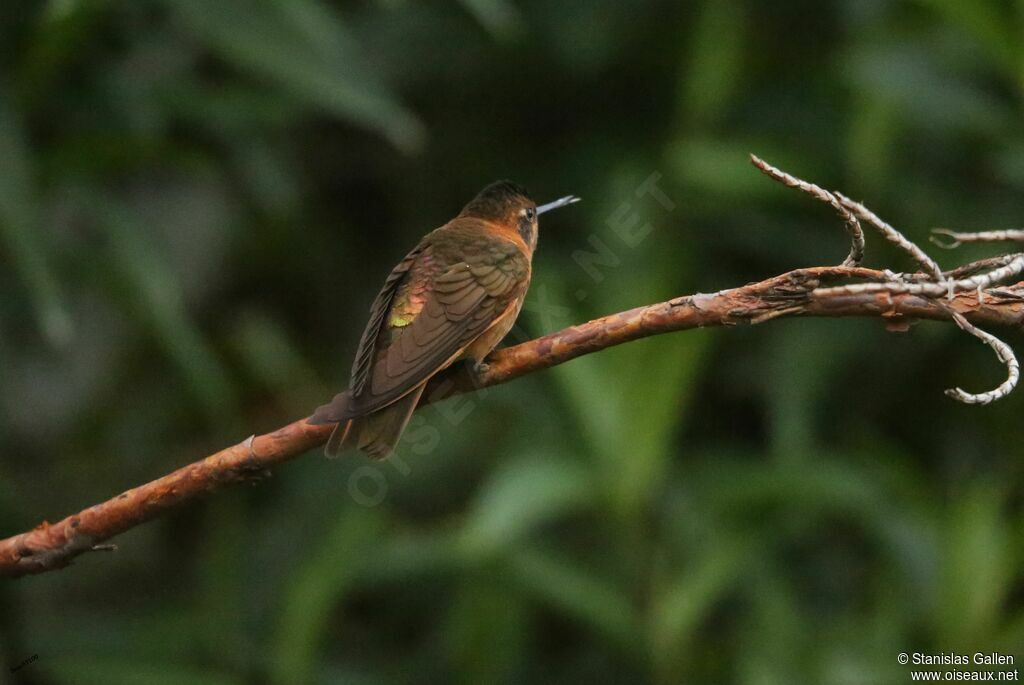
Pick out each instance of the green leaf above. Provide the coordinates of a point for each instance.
(721, 168)
(273, 359)
(157, 295)
(915, 83)
(713, 75)
(579, 594)
(487, 630)
(870, 142)
(519, 497)
(738, 490)
(979, 567)
(221, 597)
(313, 593)
(301, 46)
(20, 230)
(995, 31)
(685, 603)
(663, 371)
(500, 17)
(630, 400)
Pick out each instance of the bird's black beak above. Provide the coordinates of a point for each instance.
(561, 202)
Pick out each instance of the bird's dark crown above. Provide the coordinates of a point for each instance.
(498, 201)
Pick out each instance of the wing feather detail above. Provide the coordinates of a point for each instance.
(462, 303)
(379, 311)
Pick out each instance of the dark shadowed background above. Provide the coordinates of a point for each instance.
(199, 200)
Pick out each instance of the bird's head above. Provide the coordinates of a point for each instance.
(510, 206)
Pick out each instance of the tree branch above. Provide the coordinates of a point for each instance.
(53, 546)
(964, 295)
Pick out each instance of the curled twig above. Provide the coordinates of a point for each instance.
(853, 226)
(1005, 355)
(928, 264)
(932, 281)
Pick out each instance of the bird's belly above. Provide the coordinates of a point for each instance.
(490, 338)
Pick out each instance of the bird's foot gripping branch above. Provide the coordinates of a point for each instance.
(970, 296)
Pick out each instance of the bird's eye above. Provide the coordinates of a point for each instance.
(531, 213)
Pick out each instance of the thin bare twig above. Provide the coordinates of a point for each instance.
(927, 264)
(957, 238)
(981, 265)
(1005, 355)
(960, 272)
(977, 282)
(853, 227)
(932, 281)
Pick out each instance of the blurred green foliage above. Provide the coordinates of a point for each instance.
(198, 201)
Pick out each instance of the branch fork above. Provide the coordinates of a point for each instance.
(931, 281)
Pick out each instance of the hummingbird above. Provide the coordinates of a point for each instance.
(453, 297)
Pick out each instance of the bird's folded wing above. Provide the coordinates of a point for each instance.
(340, 408)
(465, 301)
(378, 314)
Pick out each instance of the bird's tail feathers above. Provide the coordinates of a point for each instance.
(377, 434)
(335, 411)
(336, 444)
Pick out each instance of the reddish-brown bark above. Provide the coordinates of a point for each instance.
(53, 546)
